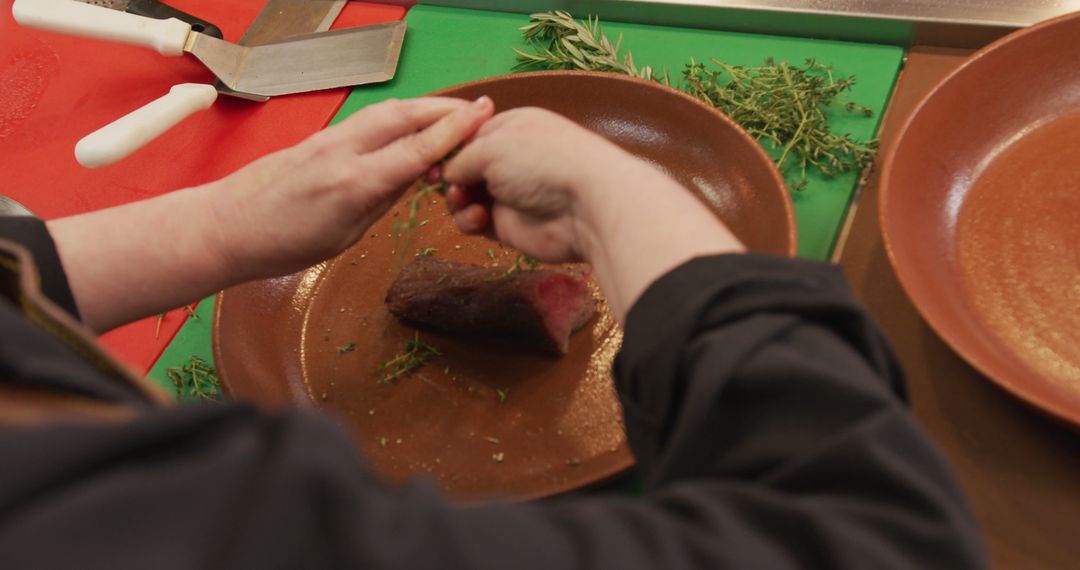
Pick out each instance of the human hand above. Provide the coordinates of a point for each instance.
(278, 215)
(524, 175)
(296, 207)
(558, 192)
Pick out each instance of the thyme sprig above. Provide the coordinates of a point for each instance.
(416, 354)
(784, 106)
(195, 380)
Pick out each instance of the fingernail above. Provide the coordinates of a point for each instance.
(481, 102)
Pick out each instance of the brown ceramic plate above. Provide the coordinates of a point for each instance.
(558, 424)
(980, 209)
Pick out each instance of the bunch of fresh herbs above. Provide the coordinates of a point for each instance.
(784, 106)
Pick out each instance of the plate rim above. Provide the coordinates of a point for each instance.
(1064, 413)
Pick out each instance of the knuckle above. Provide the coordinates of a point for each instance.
(389, 105)
(344, 175)
(420, 149)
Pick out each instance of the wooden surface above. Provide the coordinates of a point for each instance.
(1020, 470)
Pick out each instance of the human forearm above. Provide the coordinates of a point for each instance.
(143, 258)
(635, 224)
(278, 215)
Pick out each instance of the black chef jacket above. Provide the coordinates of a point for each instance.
(765, 411)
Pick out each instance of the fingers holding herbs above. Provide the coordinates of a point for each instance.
(337, 183)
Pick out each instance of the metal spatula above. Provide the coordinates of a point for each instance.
(279, 19)
(304, 63)
(359, 55)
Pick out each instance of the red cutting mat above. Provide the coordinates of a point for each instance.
(56, 89)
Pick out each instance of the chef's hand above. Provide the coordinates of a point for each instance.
(559, 192)
(523, 176)
(302, 205)
(280, 214)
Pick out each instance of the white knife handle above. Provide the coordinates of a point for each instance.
(130, 132)
(78, 19)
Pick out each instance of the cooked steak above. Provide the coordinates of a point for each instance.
(540, 307)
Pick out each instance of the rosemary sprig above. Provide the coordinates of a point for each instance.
(347, 348)
(781, 105)
(195, 380)
(559, 41)
(416, 354)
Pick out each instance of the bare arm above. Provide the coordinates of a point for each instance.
(278, 215)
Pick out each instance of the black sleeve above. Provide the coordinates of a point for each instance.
(31, 233)
(761, 403)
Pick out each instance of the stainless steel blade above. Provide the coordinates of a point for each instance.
(222, 58)
(281, 19)
(312, 62)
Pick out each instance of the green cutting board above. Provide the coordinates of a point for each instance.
(446, 46)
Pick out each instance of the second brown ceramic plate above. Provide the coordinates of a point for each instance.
(483, 420)
(980, 209)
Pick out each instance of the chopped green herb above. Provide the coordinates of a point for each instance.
(491, 253)
(521, 264)
(503, 393)
(383, 441)
(403, 230)
(342, 350)
(441, 279)
(426, 251)
(195, 380)
(416, 354)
